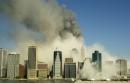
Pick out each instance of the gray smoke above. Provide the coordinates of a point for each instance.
(46, 17)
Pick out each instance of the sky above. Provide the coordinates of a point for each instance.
(106, 22)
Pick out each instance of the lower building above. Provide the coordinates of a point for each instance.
(70, 70)
(121, 67)
(42, 70)
(32, 74)
(13, 65)
(21, 71)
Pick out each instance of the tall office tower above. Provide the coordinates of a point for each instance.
(69, 68)
(13, 61)
(122, 67)
(32, 63)
(97, 61)
(3, 63)
(57, 64)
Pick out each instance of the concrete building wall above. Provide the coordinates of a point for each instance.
(3, 62)
(13, 65)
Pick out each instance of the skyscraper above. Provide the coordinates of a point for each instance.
(121, 67)
(97, 61)
(3, 63)
(13, 65)
(32, 62)
(69, 68)
(32, 58)
(57, 64)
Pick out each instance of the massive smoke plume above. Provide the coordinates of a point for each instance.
(48, 25)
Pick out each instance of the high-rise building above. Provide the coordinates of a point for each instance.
(69, 68)
(32, 62)
(42, 70)
(97, 61)
(3, 63)
(13, 65)
(121, 67)
(57, 64)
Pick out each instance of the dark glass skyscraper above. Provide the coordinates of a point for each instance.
(57, 64)
(97, 60)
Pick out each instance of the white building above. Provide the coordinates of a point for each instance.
(57, 64)
(13, 65)
(3, 62)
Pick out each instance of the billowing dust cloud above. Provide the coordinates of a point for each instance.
(47, 25)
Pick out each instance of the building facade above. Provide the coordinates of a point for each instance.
(97, 61)
(13, 65)
(69, 70)
(121, 67)
(3, 63)
(42, 70)
(32, 63)
(57, 64)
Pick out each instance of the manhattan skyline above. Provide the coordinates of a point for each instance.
(102, 22)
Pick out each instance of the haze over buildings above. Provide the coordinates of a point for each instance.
(48, 25)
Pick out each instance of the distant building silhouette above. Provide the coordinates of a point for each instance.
(97, 61)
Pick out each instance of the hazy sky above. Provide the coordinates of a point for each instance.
(106, 22)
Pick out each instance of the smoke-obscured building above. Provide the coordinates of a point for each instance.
(97, 61)
(69, 68)
(83, 53)
(57, 64)
(13, 65)
(80, 67)
(128, 74)
(42, 70)
(32, 63)
(121, 67)
(25, 68)
(21, 71)
(3, 63)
